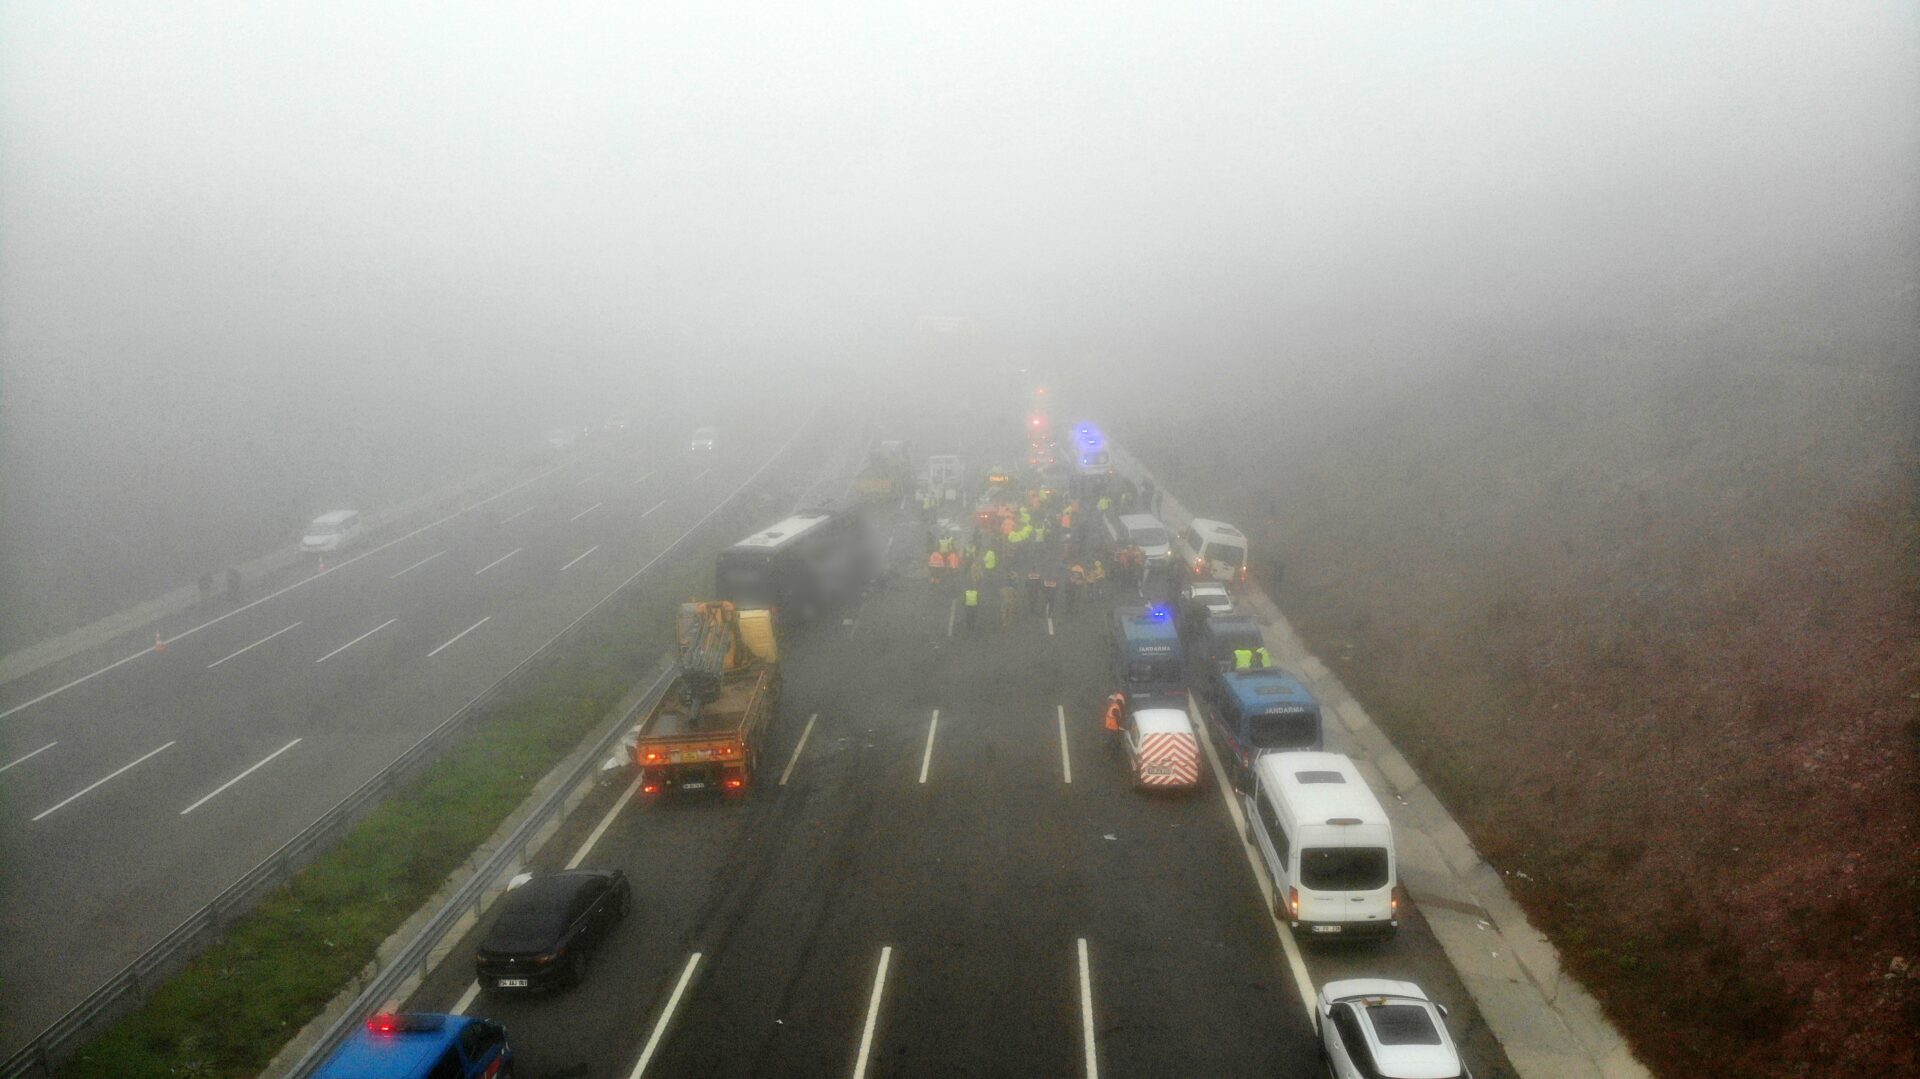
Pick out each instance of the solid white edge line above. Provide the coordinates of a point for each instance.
(110, 775)
(30, 756)
(459, 635)
(1049, 625)
(497, 561)
(222, 787)
(304, 581)
(653, 507)
(660, 1026)
(873, 1013)
(466, 1000)
(926, 760)
(516, 514)
(606, 822)
(254, 645)
(420, 563)
(588, 510)
(357, 640)
(797, 747)
(578, 557)
(1086, 1012)
(1301, 979)
(1066, 761)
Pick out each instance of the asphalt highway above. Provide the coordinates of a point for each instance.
(135, 784)
(941, 871)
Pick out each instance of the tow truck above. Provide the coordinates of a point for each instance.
(704, 732)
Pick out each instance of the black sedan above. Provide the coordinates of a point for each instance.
(549, 927)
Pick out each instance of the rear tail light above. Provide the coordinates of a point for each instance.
(735, 784)
(654, 755)
(384, 1023)
(651, 788)
(1293, 903)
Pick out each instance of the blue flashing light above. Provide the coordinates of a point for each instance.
(1157, 612)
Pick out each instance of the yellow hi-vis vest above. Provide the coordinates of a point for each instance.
(973, 597)
(991, 559)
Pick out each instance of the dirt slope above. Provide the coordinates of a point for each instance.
(1653, 635)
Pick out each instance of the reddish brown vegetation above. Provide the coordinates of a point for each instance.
(1656, 640)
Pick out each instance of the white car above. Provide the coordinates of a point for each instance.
(332, 531)
(560, 438)
(1212, 595)
(1372, 1028)
(703, 440)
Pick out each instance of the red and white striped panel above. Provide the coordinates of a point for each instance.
(1176, 756)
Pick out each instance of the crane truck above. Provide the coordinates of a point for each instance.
(704, 733)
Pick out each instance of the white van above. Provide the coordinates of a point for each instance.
(1212, 550)
(332, 531)
(1144, 530)
(1327, 844)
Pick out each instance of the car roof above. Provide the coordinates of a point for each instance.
(1137, 624)
(1207, 588)
(1162, 721)
(1404, 1031)
(1206, 526)
(536, 911)
(399, 1055)
(1140, 520)
(334, 517)
(1325, 786)
(1259, 690)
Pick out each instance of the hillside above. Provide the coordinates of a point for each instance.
(1651, 630)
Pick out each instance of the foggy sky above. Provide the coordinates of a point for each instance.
(230, 231)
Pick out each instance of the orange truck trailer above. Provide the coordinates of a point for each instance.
(705, 732)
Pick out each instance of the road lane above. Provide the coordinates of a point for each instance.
(114, 852)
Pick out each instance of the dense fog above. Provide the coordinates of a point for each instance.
(257, 261)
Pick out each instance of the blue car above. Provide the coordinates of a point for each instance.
(419, 1045)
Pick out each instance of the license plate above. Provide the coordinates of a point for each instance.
(1326, 929)
(1156, 770)
(513, 983)
(693, 786)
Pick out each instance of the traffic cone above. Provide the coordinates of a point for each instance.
(158, 644)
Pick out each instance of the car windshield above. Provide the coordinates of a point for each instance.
(1148, 671)
(1343, 869)
(1223, 553)
(319, 529)
(1150, 537)
(1283, 732)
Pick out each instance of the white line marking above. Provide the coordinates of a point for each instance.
(110, 775)
(660, 1027)
(1086, 1013)
(926, 760)
(588, 510)
(420, 563)
(606, 822)
(238, 778)
(459, 635)
(1303, 982)
(702, 475)
(357, 640)
(254, 645)
(653, 507)
(887, 550)
(497, 561)
(798, 746)
(873, 1013)
(952, 610)
(30, 756)
(466, 1000)
(537, 477)
(1049, 625)
(586, 479)
(1066, 762)
(645, 478)
(578, 557)
(854, 626)
(516, 514)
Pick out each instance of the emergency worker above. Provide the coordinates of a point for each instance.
(936, 565)
(971, 600)
(1116, 710)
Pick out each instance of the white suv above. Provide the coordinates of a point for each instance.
(331, 531)
(1372, 1028)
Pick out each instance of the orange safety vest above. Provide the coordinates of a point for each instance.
(953, 559)
(935, 562)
